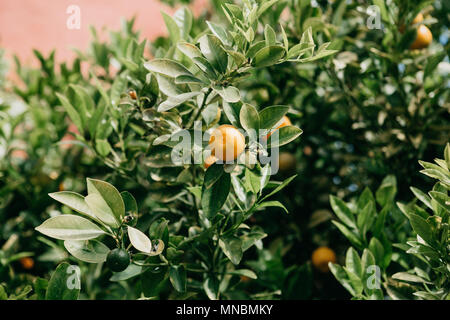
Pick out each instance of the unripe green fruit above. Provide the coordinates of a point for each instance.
(118, 260)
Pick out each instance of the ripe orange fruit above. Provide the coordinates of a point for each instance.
(285, 121)
(61, 186)
(27, 263)
(209, 161)
(307, 150)
(227, 142)
(320, 258)
(132, 94)
(423, 38)
(286, 161)
(417, 19)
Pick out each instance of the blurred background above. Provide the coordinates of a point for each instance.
(43, 24)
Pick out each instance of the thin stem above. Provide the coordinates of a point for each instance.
(197, 114)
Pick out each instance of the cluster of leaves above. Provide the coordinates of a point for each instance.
(131, 131)
(369, 111)
(427, 276)
(372, 110)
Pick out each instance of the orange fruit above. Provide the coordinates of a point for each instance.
(132, 94)
(423, 38)
(226, 142)
(27, 263)
(286, 161)
(285, 121)
(320, 258)
(307, 150)
(417, 19)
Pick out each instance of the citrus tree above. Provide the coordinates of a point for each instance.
(135, 127)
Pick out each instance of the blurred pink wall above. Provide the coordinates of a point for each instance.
(42, 24)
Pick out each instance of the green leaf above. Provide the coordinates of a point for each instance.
(177, 276)
(377, 250)
(74, 201)
(211, 287)
(299, 50)
(219, 32)
(64, 284)
(387, 191)
(268, 56)
(139, 240)
(131, 271)
(365, 218)
(206, 67)
(187, 79)
(172, 27)
(40, 287)
(340, 274)
(167, 67)
(232, 248)
(422, 197)
(70, 227)
(254, 48)
(184, 20)
(213, 173)
(404, 276)
(189, 50)
(367, 260)
(283, 136)
(355, 281)
(103, 147)
(353, 262)
(442, 199)
(365, 197)
(129, 202)
(421, 227)
(272, 204)
(72, 112)
(214, 197)
(101, 210)
(279, 188)
(232, 111)
(244, 272)
(249, 119)
(270, 36)
(175, 101)
(229, 94)
(152, 280)
(264, 6)
(432, 63)
(212, 49)
(270, 116)
(342, 211)
(383, 11)
(352, 237)
(91, 251)
(252, 181)
(110, 194)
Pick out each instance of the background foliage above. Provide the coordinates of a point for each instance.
(369, 112)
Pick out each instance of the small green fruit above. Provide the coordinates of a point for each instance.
(118, 260)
